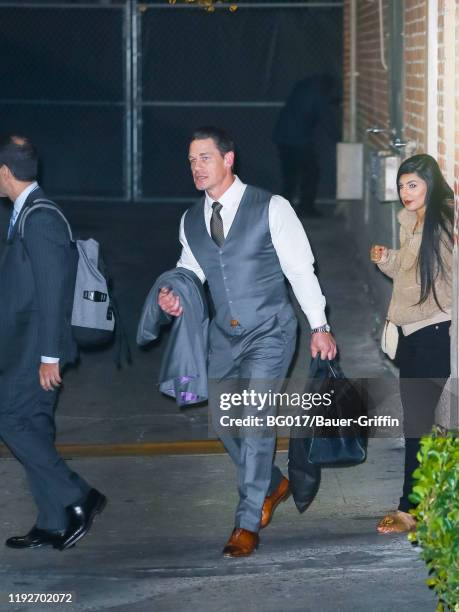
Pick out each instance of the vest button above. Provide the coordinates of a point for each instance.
(234, 322)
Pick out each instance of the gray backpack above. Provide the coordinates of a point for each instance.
(93, 317)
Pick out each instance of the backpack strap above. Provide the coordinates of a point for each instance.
(121, 337)
(42, 203)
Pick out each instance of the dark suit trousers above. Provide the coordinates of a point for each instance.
(300, 176)
(28, 429)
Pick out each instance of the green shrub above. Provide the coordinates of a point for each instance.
(436, 493)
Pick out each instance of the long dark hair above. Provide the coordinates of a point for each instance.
(438, 221)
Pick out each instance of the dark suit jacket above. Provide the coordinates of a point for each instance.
(37, 279)
(308, 105)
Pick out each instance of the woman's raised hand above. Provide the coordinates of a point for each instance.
(378, 253)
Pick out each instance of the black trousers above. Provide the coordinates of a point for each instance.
(300, 176)
(27, 427)
(424, 362)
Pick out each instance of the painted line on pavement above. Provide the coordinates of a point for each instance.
(190, 447)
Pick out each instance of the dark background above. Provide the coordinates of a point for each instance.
(87, 81)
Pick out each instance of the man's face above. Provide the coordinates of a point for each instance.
(210, 169)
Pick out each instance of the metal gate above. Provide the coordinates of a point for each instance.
(65, 83)
(110, 91)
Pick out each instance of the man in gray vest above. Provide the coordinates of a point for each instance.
(244, 242)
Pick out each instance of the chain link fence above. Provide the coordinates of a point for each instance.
(111, 90)
(64, 76)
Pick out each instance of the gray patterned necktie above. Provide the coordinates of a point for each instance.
(216, 224)
(13, 218)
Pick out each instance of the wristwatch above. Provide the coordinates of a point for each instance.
(323, 328)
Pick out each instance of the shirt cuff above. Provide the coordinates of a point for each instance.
(316, 318)
(49, 359)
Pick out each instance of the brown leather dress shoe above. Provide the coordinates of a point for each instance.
(272, 501)
(241, 543)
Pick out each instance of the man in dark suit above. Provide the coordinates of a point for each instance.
(37, 279)
(308, 109)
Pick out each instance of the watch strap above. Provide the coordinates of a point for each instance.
(322, 328)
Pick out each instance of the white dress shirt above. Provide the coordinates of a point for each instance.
(18, 204)
(289, 240)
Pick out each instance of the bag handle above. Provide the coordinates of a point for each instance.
(333, 367)
(40, 204)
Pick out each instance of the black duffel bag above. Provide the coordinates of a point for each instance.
(334, 443)
(304, 476)
(312, 448)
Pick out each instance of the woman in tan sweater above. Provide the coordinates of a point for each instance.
(420, 307)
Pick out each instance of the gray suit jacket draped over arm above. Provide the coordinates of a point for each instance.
(183, 372)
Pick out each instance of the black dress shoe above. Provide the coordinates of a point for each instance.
(36, 538)
(81, 516)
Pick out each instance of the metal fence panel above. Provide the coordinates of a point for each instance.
(64, 76)
(111, 89)
(230, 69)
(166, 133)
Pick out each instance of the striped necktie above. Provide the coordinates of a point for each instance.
(13, 218)
(216, 224)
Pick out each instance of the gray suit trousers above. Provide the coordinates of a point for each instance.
(257, 360)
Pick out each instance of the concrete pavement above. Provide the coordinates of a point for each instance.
(157, 547)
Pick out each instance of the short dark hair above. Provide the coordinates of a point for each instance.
(222, 139)
(21, 157)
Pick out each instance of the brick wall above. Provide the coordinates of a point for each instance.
(456, 168)
(447, 59)
(441, 83)
(372, 82)
(415, 96)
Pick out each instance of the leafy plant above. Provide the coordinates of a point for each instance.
(436, 493)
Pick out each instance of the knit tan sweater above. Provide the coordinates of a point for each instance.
(401, 266)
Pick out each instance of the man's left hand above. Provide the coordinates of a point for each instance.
(323, 343)
(49, 376)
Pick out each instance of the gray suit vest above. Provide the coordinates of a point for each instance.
(244, 275)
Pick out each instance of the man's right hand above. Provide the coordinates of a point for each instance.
(169, 302)
(49, 375)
